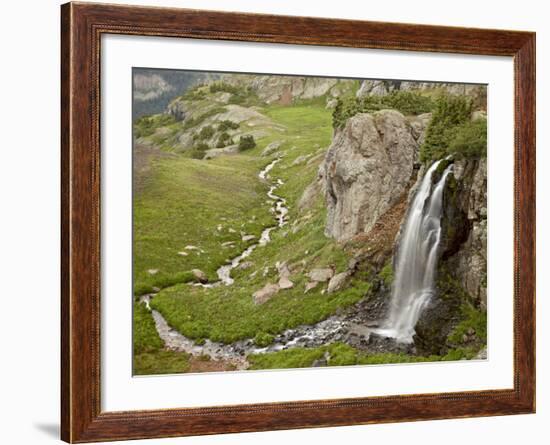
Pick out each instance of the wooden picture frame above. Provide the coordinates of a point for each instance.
(82, 26)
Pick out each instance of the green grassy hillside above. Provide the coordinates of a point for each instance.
(192, 202)
(196, 210)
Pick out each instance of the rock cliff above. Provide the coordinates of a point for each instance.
(382, 87)
(462, 271)
(286, 89)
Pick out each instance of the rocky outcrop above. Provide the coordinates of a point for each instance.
(286, 89)
(382, 87)
(366, 171)
(419, 124)
(377, 87)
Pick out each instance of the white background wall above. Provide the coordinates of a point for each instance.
(29, 222)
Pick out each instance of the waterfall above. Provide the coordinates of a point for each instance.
(416, 260)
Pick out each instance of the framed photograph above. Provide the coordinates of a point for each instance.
(275, 222)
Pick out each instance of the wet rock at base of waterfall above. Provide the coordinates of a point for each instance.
(321, 275)
(378, 343)
(357, 341)
(271, 148)
(337, 282)
(200, 275)
(246, 238)
(265, 293)
(152, 271)
(437, 321)
(246, 265)
(311, 285)
(285, 283)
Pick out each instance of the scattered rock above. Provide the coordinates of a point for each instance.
(285, 283)
(246, 265)
(300, 160)
(282, 269)
(248, 237)
(191, 247)
(265, 293)
(155, 289)
(337, 282)
(271, 148)
(152, 271)
(183, 253)
(321, 275)
(228, 244)
(230, 230)
(200, 275)
(310, 286)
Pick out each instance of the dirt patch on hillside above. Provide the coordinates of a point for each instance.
(143, 155)
(377, 245)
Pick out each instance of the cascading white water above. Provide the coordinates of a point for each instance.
(416, 259)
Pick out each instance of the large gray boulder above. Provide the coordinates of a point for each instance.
(366, 171)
